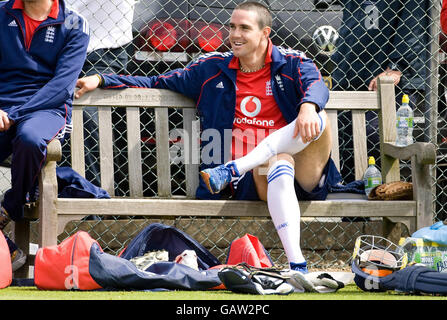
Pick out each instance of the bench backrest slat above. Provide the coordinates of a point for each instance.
(387, 127)
(77, 142)
(163, 160)
(359, 140)
(335, 153)
(134, 151)
(160, 100)
(192, 151)
(106, 149)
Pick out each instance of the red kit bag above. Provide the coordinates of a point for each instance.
(250, 250)
(65, 266)
(5, 263)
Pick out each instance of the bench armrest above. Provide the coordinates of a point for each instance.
(425, 152)
(54, 151)
(422, 155)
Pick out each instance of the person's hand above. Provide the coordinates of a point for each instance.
(390, 73)
(307, 123)
(86, 84)
(5, 122)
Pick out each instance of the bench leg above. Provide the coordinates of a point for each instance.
(47, 205)
(392, 228)
(422, 191)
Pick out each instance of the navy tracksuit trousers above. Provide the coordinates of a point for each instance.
(27, 140)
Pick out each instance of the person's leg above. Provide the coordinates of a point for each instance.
(284, 208)
(311, 161)
(309, 164)
(32, 135)
(280, 141)
(307, 168)
(289, 160)
(5, 152)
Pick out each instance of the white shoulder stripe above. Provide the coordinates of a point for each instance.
(72, 20)
(211, 54)
(289, 51)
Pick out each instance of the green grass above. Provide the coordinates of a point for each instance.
(350, 292)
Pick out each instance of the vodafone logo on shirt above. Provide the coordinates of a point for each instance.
(250, 107)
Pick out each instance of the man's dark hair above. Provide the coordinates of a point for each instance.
(264, 15)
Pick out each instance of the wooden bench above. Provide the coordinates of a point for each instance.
(54, 212)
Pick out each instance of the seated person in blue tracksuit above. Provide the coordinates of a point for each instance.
(256, 89)
(43, 46)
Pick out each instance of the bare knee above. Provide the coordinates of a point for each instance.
(282, 156)
(260, 173)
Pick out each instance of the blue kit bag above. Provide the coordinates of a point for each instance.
(158, 236)
(113, 272)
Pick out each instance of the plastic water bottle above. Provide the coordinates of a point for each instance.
(404, 123)
(372, 176)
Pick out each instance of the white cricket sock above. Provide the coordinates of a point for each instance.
(284, 209)
(280, 141)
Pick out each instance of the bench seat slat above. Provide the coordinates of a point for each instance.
(218, 208)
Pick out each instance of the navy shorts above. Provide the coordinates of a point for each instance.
(244, 188)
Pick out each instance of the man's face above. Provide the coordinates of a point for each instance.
(245, 34)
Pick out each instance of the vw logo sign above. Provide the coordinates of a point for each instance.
(325, 37)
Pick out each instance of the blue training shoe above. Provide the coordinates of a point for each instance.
(216, 179)
(301, 267)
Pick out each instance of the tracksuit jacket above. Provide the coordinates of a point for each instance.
(44, 75)
(37, 86)
(212, 84)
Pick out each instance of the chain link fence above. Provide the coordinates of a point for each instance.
(350, 41)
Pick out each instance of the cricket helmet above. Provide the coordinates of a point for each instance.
(373, 259)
